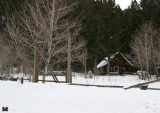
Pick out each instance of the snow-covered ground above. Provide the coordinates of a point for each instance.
(125, 81)
(64, 98)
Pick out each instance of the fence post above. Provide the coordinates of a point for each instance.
(36, 64)
(21, 80)
(69, 75)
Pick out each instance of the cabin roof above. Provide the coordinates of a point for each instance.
(105, 60)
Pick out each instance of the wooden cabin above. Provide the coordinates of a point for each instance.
(119, 64)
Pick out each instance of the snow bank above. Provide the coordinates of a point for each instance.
(63, 98)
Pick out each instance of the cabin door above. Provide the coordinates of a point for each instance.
(116, 68)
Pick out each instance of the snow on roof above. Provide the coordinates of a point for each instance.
(105, 60)
(112, 56)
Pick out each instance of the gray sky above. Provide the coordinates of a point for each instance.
(124, 3)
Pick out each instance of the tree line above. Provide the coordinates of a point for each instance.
(108, 29)
(99, 28)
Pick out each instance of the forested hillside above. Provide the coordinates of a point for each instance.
(104, 26)
(108, 29)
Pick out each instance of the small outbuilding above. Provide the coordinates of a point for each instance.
(119, 64)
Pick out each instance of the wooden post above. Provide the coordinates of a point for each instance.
(36, 65)
(69, 75)
(22, 80)
(66, 80)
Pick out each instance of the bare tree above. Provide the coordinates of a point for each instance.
(144, 48)
(156, 55)
(45, 20)
(136, 46)
(12, 56)
(7, 53)
(82, 57)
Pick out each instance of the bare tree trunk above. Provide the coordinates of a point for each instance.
(50, 37)
(95, 66)
(108, 68)
(44, 20)
(85, 68)
(144, 48)
(139, 58)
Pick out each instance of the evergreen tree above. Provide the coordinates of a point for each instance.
(91, 29)
(102, 26)
(132, 19)
(6, 8)
(151, 11)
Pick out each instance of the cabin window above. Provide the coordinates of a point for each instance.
(123, 70)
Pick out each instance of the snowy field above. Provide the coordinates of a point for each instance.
(118, 80)
(64, 98)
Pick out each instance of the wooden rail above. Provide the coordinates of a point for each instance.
(110, 86)
(153, 88)
(53, 81)
(137, 85)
